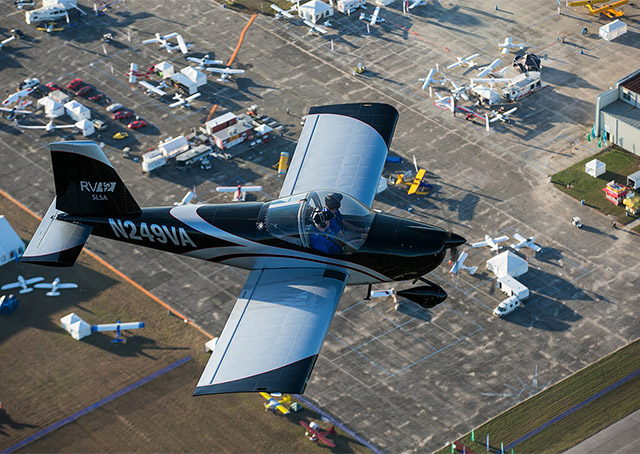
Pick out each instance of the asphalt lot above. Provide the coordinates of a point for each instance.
(409, 379)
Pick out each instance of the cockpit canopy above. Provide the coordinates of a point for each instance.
(311, 220)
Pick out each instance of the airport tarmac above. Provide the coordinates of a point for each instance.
(407, 379)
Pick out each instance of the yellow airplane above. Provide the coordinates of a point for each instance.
(274, 404)
(416, 185)
(608, 10)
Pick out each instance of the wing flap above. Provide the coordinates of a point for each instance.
(274, 333)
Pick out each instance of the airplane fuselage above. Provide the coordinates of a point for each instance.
(234, 234)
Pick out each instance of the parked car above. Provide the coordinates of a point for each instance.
(97, 98)
(137, 124)
(29, 83)
(113, 107)
(74, 84)
(52, 86)
(121, 114)
(84, 91)
(99, 125)
(120, 135)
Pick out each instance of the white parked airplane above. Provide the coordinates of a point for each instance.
(204, 61)
(487, 70)
(464, 61)
(374, 18)
(152, 88)
(426, 81)
(417, 3)
(48, 127)
(23, 283)
(7, 41)
(490, 80)
(507, 45)
(503, 116)
(491, 242)
(163, 40)
(182, 101)
(188, 197)
(15, 97)
(239, 192)
(314, 28)
(14, 110)
(55, 286)
(225, 72)
(459, 91)
(459, 265)
(525, 242)
(282, 13)
(445, 102)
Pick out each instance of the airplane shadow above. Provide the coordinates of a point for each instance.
(133, 346)
(7, 422)
(546, 313)
(408, 307)
(557, 76)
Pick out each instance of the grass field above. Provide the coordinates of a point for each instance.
(46, 375)
(575, 182)
(532, 413)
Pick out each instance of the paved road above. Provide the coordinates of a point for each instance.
(618, 438)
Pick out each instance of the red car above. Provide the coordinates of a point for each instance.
(119, 115)
(96, 98)
(74, 84)
(52, 86)
(137, 124)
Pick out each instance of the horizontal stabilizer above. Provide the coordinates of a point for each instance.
(56, 243)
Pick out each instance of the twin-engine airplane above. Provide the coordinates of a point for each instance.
(301, 249)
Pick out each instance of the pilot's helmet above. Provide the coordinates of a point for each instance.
(332, 200)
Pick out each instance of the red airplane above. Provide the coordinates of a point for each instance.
(133, 73)
(315, 434)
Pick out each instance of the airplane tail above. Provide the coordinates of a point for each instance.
(86, 185)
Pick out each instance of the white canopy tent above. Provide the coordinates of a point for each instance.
(595, 168)
(507, 264)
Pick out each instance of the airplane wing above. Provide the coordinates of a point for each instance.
(69, 285)
(416, 181)
(519, 238)
(154, 89)
(480, 244)
(342, 148)
(178, 103)
(500, 239)
(225, 70)
(534, 246)
(150, 41)
(182, 45)
(274, 333)
(374, 17)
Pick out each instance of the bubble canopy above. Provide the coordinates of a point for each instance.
(311, 220)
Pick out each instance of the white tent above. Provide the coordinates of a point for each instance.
(85, 127)
(507, 264)
(315, 10)
(75, 326)
(595, 168)
(194, 75)
(165, 68)
(11, 246)
(77, 111)
(613, 29)
(52, 108)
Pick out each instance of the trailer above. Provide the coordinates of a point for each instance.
(153, 160)
(193, 156)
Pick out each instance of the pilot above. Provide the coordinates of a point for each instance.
(321, 240)
(338, 224)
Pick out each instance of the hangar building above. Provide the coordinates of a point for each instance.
(617, 116)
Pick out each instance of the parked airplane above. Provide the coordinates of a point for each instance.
(299, 259)
(239, 192)
(12, 112)
(507, 45)
(374, 18)
(15, 97)
(225, 73)
(417, 3)
(133, 73)
(608, 10)
(525, 242)
(152, 88)
(314, 28)
(491, 242)
(100, 7)
(55, 286)
(487, 70)
(502, 116)
(459, 90)
(459, 265)
(314, 433)
(7, 41)
(282, 13)
(464, 61)
(163, 40)
(273, 403)
(430, 79)
(188, 197)
(23, 284)
(48, 127)
(182, 101)
(204, 61)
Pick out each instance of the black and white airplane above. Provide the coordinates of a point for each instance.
(301, 249)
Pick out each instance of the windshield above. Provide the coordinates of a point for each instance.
(325, 221)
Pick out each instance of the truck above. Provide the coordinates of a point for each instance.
(153, 160)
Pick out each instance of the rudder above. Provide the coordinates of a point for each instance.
(86, 182)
